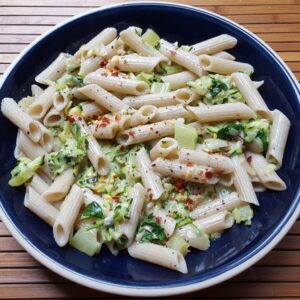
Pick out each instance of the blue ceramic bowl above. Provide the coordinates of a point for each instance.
(239, 247)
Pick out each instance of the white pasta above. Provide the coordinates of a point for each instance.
(54, 70)
(150, 179)
(193, 173)
(166, 222)
(227, 202)
(36, 90)
(46, 138)
(214, 45)
(107, 132)
(224, 55)
(40, 207)
(179, 80)
(172, 112)
(92, 109)
(158, 255)
(60, 186)
(64, 223)
(216, 222)
(143, 116)
(17, 116)
(251, 95)
(221, 112)
(242, 181)
(166, 148)
(53, 117)
(117, 84)
(60, 100)
(265, 172)
(181, 57)
(278, 138)
(39, 184)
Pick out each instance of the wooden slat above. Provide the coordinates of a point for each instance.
(285, 46)
(9, 244)
(263, 18)
(282, 37)
(3, 230)
(258, 28)
(17, 260)
(12, 48)
(17, 39)
(295, 66)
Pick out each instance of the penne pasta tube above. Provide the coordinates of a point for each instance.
(39, 206)
(172, 112)
(242, 181)
(41, 105)
(103, 98)
(223, 66)
(104, 37)
(117, 84)
(278, 138)
(53, 117)
(36, 91)
(69, 210)
(138, 195)
(94, 152)
(221, 112)
(144, 115)
(146, 132)
(182, 96)
(187, 172)
(107, 132)
(18, 117)
(76, 94)
(28, 147)
(166, 148)
(89, 65)
(220, 163)
(46, 140)
(60, 100)
(39, 184)
(251, 95)
(133, 63)
(136, 43)
(224, 55)
(214, 45)
(60, 186)
(166, 222)
(216, 222)
(91, 110)
(228, 202)
(265, 172)
(159, 255)
(54, 70)
(150, 179)
(179, 80)
(226, 179)
(181, 57)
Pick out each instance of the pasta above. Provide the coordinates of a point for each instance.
(137, 143)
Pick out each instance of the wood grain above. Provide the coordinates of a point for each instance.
(277, 275)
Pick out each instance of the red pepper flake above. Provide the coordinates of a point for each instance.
(249, 159)
(178, 184)
(158, 220)
(118, 117)
(150, 197)
(103, 63)
(70, 119)
(189, 164)
(208, 174)
(115, 73)
(131, 133)
(116, 198)
(189, 204)
(79, 118)
(105, 120)
(123, 148)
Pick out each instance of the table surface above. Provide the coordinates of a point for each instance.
(278, 23)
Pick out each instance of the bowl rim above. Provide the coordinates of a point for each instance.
(279, 232)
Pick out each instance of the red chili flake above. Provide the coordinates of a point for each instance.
(79, 118)
(189, 203)
(103, 125)
(115, 73)
(123, 148)
(103, 63)
(173, 52)
(178, 184)
(208, 174)
(249, 159)
(131, 133)
(116, 67)
(189, 164)
(70, 119)
(105, 120)
(118, 117)
(158, 219)
(150, 197)
(116, 198)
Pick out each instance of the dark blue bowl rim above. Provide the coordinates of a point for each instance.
(233, 267)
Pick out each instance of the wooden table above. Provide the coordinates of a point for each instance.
(278, 23)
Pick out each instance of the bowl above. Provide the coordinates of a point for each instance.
(239, 247)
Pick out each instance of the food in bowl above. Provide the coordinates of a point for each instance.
(145, 145)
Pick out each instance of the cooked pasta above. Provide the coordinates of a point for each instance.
(141, 144)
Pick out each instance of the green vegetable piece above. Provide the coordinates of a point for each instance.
(183, 221)
(227, 132)
(179, 244)
(148, 78)
(217, 87)
(151, 37)
(24, 170)
(186, 136)
(262, 135)
(85, 242)
(243, 214)
(92, 210)
(159, 87)
(170, 69)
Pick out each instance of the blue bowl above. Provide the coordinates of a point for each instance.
(239, 247)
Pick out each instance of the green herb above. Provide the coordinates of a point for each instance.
(217, 87)
(262, 135)
(229, 131)
(183, 221)
(92, 210)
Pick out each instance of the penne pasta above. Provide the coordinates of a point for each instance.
(150, 179)
(53, 118)
(60, 100)
(224, 55)
(91, 110)
(39, 184)
(107, 132)
(251, 95)
(36, 91)
(221, 112)
(166, 148)
(144, 115)
(172, 112)
(166, 222)
(158, 255)
(46, 140)
(278, 138)
(179, 80)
